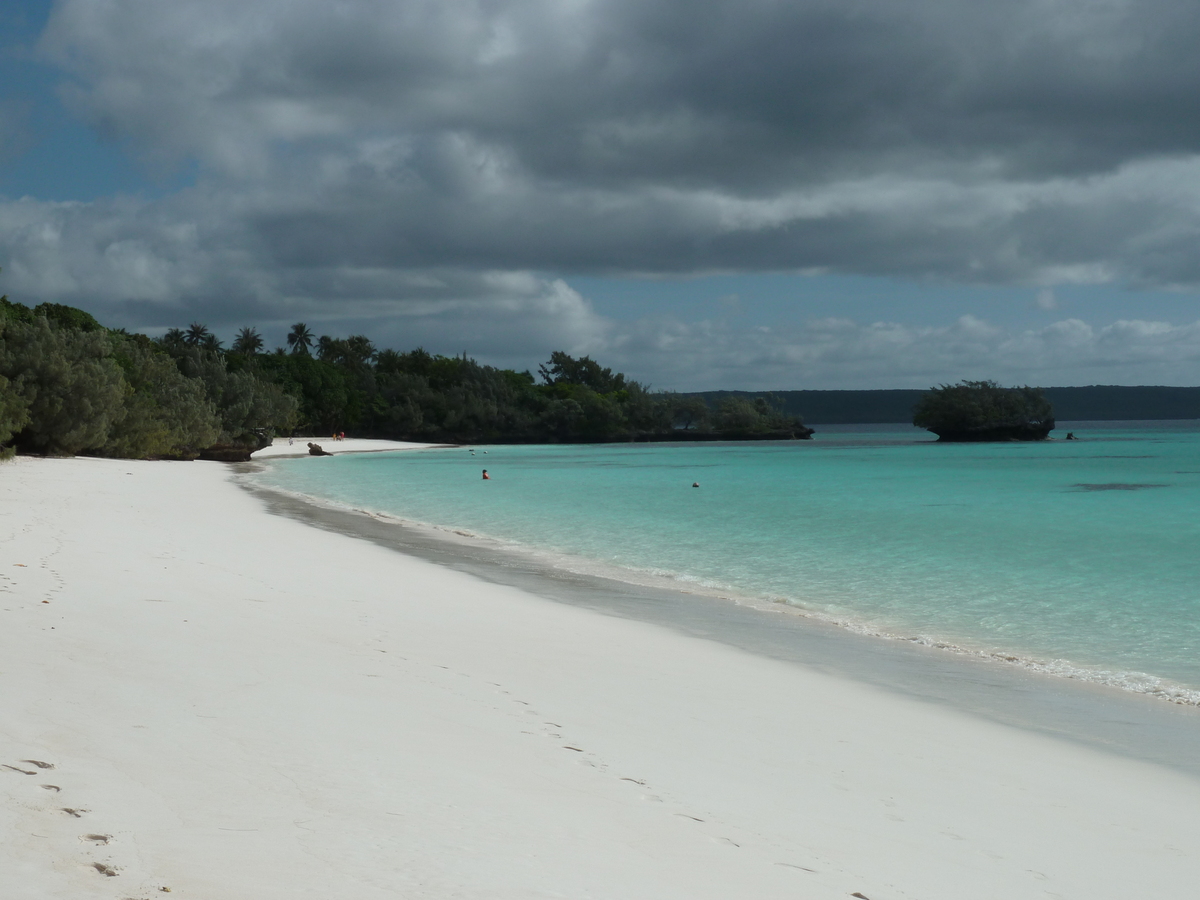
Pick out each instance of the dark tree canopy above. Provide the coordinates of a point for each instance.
(300, 339)
(69, 385)
(984, 411)
(73, 390)
(564, 369)
(248, 341)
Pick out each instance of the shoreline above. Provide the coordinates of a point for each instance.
(239, 705)
(298, 450)
(1140, 724)
(1158, 687)
(1058, 663)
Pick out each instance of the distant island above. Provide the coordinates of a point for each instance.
(984, 411)
(1098, 402)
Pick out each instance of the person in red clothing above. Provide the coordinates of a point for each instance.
(486, 476)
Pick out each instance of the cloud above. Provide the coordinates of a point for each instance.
(840, 353)
(964, 142)
(443, 170)
(671, 91)
(1046, 300)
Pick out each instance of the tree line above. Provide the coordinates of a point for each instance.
(69, 385)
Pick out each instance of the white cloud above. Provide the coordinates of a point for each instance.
(1046, 300)
(841, 353)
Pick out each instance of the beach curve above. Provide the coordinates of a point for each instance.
(244, 706)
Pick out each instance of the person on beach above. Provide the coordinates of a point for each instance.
(486, 476)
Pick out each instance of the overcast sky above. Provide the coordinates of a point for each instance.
(745, 194)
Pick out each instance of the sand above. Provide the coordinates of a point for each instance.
(299, 446)
(237, 705)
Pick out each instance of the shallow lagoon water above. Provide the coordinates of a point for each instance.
(1075, 556)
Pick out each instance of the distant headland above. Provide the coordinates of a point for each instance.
(1099, 403)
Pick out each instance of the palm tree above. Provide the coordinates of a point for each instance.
(211, 344)
(388, 361)
(360, 348)
(174, 340)
(248, 341)
(196, 334)
(327, 348)
(300, 339)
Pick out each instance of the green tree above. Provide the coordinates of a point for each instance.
(73, 389)
(166, 414)
(300, 339)
(247, 405)
(173, 341)
(565, 369)
(688, 413)
(196, 335)
(248, 342)
(14, 415)
(738, 416)
(67, 317)
(983, 410)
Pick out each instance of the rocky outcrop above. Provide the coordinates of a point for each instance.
(238, 451)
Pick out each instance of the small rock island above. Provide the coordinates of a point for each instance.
(985, 411)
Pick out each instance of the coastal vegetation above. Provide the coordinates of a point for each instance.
(69, 385)
(72, 386)
(984, 411)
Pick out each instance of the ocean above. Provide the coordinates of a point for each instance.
(1076, 558)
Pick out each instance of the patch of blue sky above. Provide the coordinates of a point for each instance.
(46, 152)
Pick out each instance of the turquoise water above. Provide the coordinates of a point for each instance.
(1078, 557)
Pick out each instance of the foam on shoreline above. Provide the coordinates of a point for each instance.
(1116, 710)
(1134, 682)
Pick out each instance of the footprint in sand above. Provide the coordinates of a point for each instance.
(77, 813)
(105, 869)
(97, 838)
(50, 787)
(16, 769)
(39, 763)
(794, 866)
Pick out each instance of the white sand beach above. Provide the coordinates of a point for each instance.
(299, 446)
(196, 695)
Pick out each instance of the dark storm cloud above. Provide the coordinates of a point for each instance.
(419, 160)
(659, 137)
(743, 95)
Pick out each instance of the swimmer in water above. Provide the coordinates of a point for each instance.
(486, 476)
(695, 484)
